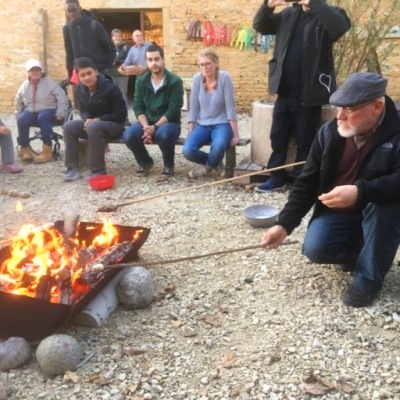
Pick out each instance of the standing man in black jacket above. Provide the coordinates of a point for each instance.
(352, 176)
(103, 111)
(86, 37)
(301, 72)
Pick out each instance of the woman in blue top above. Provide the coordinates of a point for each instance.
(212, 116)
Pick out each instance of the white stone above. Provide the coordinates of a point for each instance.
(57, 354)
(136, 288)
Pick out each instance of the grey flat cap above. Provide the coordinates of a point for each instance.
(359, 88)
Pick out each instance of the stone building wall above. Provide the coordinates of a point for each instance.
(26, 35)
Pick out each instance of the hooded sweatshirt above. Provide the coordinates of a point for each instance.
(87, 37)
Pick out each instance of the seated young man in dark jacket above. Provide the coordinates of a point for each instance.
(352, 176)
(103, 111)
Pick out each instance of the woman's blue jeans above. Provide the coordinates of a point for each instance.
(368, 241)
(165, 137)
(43, 119)
(217, 136)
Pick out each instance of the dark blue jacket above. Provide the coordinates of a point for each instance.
(88, 38)
(377, 180)
(327, 26)
(105, 103)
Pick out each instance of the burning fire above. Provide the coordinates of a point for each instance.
(18, 207)
(44, 260)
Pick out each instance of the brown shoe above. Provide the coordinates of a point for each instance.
(45, 156)
(26, 155)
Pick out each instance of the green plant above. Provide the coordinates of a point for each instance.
(365, 45)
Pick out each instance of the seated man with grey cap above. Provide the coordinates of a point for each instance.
(352, 178)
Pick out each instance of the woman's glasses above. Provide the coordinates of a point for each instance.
(205, 65)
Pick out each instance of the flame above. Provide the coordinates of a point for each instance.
(18, 207)
(108, 236)
(38, 254)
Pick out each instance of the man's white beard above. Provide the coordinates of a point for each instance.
(346, 133)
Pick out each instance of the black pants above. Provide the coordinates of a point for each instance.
(289, 118)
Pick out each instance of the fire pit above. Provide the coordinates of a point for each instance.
(46, 279)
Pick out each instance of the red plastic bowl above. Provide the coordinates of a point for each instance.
(101, 182)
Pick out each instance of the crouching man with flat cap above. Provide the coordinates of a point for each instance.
(352, 177)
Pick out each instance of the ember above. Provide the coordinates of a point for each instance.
(45, 264)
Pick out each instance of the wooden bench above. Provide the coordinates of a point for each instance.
(230, 154)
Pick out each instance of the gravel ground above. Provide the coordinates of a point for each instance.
(249, 325)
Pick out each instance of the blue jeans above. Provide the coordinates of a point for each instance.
(289, 118)
(218, 136)
(43, 119)
(165, 137)
(369, 241)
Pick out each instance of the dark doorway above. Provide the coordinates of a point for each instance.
(148, 21)
(126, 21)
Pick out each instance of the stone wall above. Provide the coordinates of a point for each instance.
(26, 40)
(31, 37)
(23, 37)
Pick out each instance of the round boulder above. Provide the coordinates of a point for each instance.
(136, 288)
(14, 352)
(57, 354)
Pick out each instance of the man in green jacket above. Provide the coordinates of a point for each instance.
(157, 106)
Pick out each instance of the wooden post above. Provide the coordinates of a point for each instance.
(230, 161)
(83, 154)
(43, 22)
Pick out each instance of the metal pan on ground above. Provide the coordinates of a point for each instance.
(261, 215)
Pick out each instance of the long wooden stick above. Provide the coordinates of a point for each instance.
(115, 207)
(190, 258)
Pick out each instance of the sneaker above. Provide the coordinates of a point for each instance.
(220, 170)
(144, 169)
(396, 316)
(269, 186)
(354, 297)
(71, 174)
(96, 173)
(12, 168)
(199, 172)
